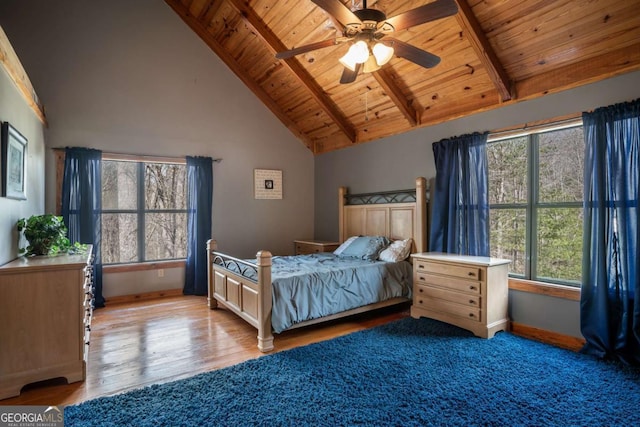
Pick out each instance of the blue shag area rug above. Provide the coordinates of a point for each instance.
(411, 372)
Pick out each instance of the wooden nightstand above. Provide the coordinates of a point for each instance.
(467, 291)
(303, 247)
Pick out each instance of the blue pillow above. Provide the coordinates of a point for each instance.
(365, 247)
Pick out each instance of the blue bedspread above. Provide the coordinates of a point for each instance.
(307, 287)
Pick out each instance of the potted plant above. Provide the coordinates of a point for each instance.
(47, 235)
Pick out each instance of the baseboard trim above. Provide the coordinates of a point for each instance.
(549, 337)
(123, 299)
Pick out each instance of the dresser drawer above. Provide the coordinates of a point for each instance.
(462, 271)
(448, 295)
(467, 286)
(303, 249)
(447, 307)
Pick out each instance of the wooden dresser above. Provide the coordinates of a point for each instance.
(466, 291)
(303, 247)
(46, 305)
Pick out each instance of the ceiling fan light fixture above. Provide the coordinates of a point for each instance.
(348, 62)
(357, 54)
(371, 65)
(382, 53)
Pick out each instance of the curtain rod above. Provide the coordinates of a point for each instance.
(140, 157)
(155, 159)
(513, 133)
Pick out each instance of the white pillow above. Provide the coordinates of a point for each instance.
(344, 245)
(397, 251)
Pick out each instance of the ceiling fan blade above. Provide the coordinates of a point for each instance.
(413, 54)
(349, 76)
(308, 48)
(339, 11)
(427, 13)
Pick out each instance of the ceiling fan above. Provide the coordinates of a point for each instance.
(365, 28)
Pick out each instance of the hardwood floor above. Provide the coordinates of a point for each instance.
(148, 342)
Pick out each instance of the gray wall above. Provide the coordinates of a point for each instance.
(394, 163)
(130, 77)
(15, 110)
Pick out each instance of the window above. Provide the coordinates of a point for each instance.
(144, 211)
(535, 196)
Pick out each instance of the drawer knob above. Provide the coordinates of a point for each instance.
(471, 273)
(420, 278)
(419, 301)
(473, 288)
(421, 290)
(471, 315)
(471, 301)
(420, 266)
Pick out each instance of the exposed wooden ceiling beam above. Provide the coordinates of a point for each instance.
(305, 79)
(471, 27)
(388, 84)
(10, 62)
(202, 32)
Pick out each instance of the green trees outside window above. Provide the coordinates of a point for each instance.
(535, 196)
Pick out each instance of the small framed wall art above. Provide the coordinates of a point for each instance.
(14, 162)
(267, 183)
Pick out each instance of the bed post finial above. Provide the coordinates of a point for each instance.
(342, 195)
(265, 337)
(421, 223)
(212, 245)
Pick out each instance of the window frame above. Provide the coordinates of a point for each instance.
(533, 204)
(141, 211)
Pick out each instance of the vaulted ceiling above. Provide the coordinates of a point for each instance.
(493, 53)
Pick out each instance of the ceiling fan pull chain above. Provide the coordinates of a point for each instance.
(366, 106)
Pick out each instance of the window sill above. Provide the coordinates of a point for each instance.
(142, 266)
(541, 288)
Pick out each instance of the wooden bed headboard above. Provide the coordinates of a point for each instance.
(395, 214)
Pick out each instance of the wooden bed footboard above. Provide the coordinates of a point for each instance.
(244, 288)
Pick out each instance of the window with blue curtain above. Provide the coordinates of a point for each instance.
(144, 210)
(609, 306)
(536, 202)
(82, 205)
(460, 201)
(199, 209)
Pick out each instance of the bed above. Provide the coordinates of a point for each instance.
(275, 294)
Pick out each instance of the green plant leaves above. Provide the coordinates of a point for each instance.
(47, 235)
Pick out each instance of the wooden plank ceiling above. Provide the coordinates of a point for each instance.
(493, 53)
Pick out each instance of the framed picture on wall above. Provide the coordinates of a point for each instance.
(267, 183)
(14, 162)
